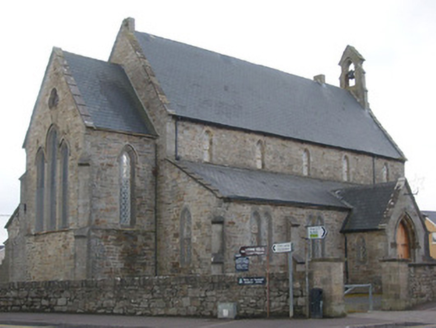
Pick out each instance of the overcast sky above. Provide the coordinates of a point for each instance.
(305, 38)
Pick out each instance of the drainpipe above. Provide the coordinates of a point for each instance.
(373, 169)
(176, 135)
(156, 173)
(346, 259)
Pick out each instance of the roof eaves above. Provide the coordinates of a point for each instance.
(346, 230)
(284, 202)
(138, 134)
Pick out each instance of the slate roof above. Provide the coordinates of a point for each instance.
(211, 87)
(368, 205)
(108, 95)
(258, 185)
(431, 215)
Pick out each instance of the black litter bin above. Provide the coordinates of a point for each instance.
(316, 303)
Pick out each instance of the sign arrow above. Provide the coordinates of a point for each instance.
(316, 232)
(282, 248)
(252, 250)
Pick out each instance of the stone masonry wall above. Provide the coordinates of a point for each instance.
(237, 148)
(50, 255)
(179, 191)
(329, 276)
(70, 130)
(121, 253)
(288, 223)
(104, 150)
(93, 192)
(174, 296)
(407, 284)
(422, 282)
(364, 253)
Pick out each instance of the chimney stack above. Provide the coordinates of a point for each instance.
(319, 78)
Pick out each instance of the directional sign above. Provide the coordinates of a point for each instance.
(317, 232)
(252, 250)
(242, 263)
(251, 281)
(282, 248)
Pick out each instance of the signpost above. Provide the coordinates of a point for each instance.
(287, 248)
(251, 281)
(252, 250)
(256, 251)
(316, 232)
(282, 248)
(241, 263)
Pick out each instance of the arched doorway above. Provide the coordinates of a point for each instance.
(403, 241)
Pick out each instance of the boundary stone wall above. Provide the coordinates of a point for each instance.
(407, 284)
(422, 282)
(153, 296)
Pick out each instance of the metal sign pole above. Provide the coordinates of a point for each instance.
(267, 283)
(287, 248)
(307, 277)
(291, 285)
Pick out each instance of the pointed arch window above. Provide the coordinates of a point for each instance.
(261, 232)
(185, 237)
(127, 187)
(267, 232)
(207, 147)
(345, 168)
(385, 173)
(52, 146)
(217, 245)
(255, 229)
(361, 250)
(64, 185)
(306, 163)
(260, 155)
(40, 191)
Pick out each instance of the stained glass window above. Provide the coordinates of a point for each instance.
(125, 189)
(260, 164)
(64, 186)
(40, 177)
(52, 144)
(185, 237)
(306, 163)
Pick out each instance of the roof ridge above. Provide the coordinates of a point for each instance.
(209, 86)
(238, 59)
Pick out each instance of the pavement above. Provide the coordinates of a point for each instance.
(424, 316)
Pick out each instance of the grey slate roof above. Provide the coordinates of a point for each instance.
(211, 87)
(258, 185)
(108, 95)
(368, 205)
(431, 215)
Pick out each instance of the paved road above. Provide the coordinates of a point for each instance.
(425, 317)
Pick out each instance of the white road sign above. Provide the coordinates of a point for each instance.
(317, 232)
(252, 250)
(282, 248)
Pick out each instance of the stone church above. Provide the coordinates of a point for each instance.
(168, 158)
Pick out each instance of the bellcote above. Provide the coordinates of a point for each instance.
(353, 76)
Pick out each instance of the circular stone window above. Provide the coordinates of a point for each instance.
(53, 100)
